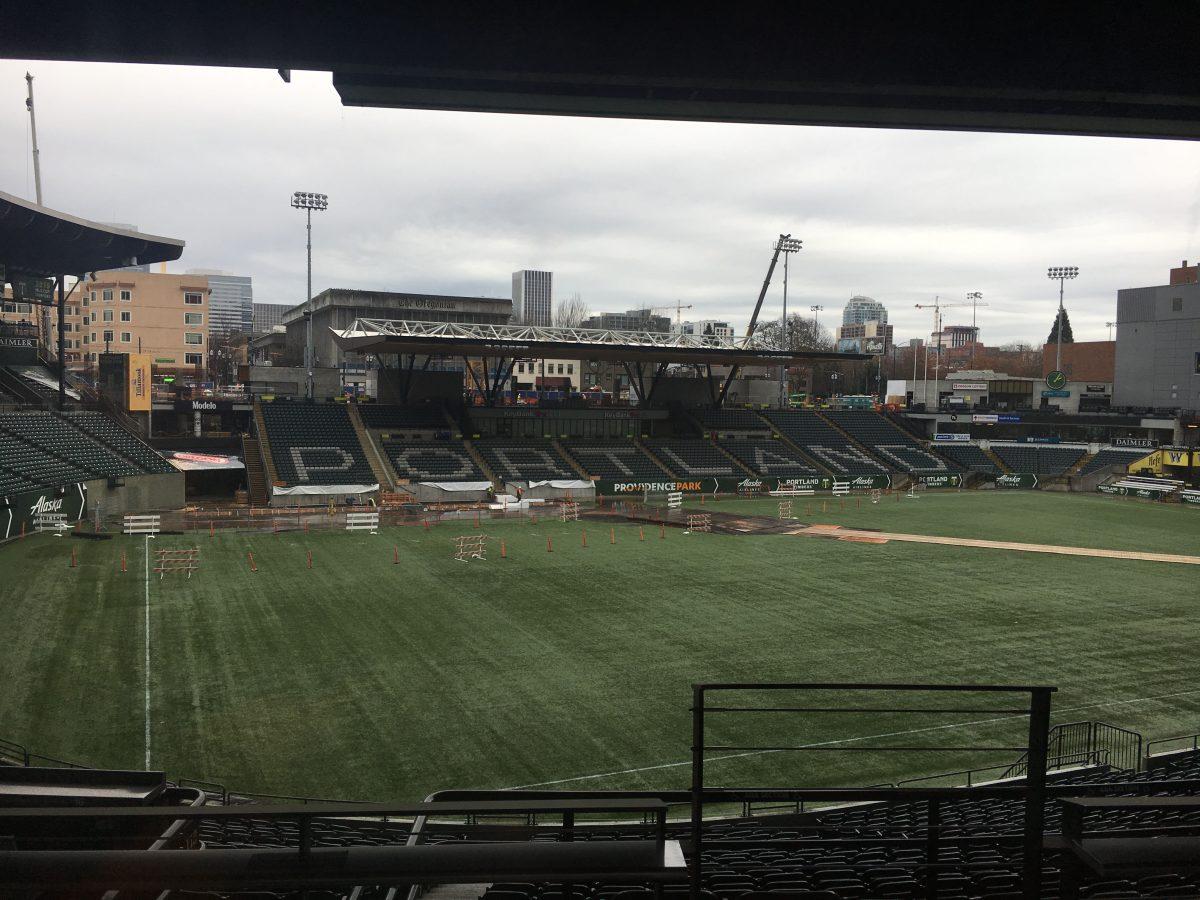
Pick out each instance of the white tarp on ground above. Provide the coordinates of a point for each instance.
(508, 501)
(556, 489)
(300, 490)
(457, 485)
(564, 484)
(188, 461)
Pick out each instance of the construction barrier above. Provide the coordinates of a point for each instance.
(363, 521)
(841, 488)
(143, 524)
(470, 546)
(675, 500)
(51, 521)
(568, 511)
(699, 522)
(175, 562)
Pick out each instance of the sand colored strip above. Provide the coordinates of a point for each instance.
(883, 537)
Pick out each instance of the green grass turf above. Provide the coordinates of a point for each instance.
(365, 679)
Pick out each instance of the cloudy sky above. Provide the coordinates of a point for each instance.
(626, 213)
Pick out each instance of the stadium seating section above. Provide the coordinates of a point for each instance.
(732, 420)
(1037, 459)
(770, 457)
(969, 456)
(400, 418)
(1111, 457)
(42, 449)
(433, 461)
(692, 457)
(517, 459)
(615, 460)
(315, 443)
(824, 443)
(896, 447)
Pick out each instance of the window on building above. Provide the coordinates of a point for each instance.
(560, 368)
(72, 310)
(108, 336)
(77, 345)
(85, 300)
(126, 337)
(107, 295)
(93, 337)
(126, 316)
(93, 296)
(193, 318)
(108, 315)
(1176, 304)
(66, 326)
(570, 368)
(193, 359)
(193, 337)
(85, 338)
(193, 299)
(126, 296)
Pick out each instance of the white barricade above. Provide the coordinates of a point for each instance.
(792, 492)
(48, 521)
(143, 524)
(841, 488)
(675, 500)
(363, 521)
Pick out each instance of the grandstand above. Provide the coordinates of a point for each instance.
(969, 456)
(1110, 456)
(692, 457)
(514, 459)
(824, 443)
(888, 442)
(443, 460)
(403, 419)
(315, 444)
(769, 457)
(724, 420)
(614, 460)
(1037, 459)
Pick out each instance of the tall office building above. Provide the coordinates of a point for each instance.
(268, 315)
(232, 303)
(860, 309)
(533, 297)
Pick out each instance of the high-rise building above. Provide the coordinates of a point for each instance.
(864, 337)
(861, 309)
(1158, 344)
(630, 320)
(232, 308)
(713, 327)
(533, 297)
(268, 315)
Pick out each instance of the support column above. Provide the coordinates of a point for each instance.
(62, 357)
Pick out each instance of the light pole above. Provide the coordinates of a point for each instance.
(787, 246)
(974, 297)
(308, 201)
(816, 329)
(1109, 326)
(1061, 274)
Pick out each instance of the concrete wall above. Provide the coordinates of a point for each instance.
(1157, 346)
(140, 493)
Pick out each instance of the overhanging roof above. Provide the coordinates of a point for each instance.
(42, 242)
(539, 342)
(1108, 67)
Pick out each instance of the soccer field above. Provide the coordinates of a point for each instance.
(365, 679)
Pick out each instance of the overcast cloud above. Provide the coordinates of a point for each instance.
(626, 213)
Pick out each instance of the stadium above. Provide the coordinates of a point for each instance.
(453, 639)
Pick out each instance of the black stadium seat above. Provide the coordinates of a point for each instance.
(898, 448)
(315, 443)
(615, 459)
(693, 457)
(433, 461)
(824, 443)
(519, 459)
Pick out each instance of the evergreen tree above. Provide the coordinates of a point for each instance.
(1067, 336)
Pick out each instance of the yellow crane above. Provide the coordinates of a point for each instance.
(678, 306)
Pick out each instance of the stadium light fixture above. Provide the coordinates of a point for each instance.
(787, 246)
(309, 201)
(975, 297)
(1061, 274)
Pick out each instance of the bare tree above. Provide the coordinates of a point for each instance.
(571, 312)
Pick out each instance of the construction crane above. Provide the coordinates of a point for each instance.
(937, 306)
(677, 306)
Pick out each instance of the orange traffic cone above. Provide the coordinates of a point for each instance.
(503, 550)
(253, 567)
(395, 556)
(310, 559)
(122, 560)
(73, 562)
(612, 535)
(641, 533)
(549, 546)
(585, 537)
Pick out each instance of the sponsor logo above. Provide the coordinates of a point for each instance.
(1017, 480)
(954, 437)
(634, 487)
(750, 484)
(940, 480)
(969, 386)
(203, 404)
(45, 506)
(1137, 443)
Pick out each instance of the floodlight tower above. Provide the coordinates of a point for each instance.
(308, 201)
(1061, 274)
(974, 297)
(787, 246)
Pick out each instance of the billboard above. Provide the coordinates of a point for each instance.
(1017, 480)
(18, 512)
(137, 397)
(954, 436)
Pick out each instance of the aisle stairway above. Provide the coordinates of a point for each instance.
(382, 472)
(256, 476)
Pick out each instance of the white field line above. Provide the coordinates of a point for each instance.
(864, 737)
(147, 662)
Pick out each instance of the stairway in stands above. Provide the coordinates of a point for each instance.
(854, 442)
(657, 459)
(383, 473)
(256, 475)
(264, 445)
(996, 460)
(1080, 463)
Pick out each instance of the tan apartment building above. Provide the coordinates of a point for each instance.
(165, 316)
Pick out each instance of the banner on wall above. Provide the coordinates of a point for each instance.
(940, 481)
(137, 397)
(22, 509)
(955, 437)
(1017, 480)
(748, 485)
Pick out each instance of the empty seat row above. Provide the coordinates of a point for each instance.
(969, 456)
(433, 461)
(1110, 456)
(615, 460)
(770, 457)
(824, 443)
(1038, 460)
(519, 459)
(315, 443)
(692, 457)
(896, 447)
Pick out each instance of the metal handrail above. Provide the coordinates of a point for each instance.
(1095, 757)
(1194, 738)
